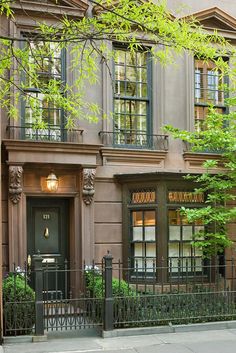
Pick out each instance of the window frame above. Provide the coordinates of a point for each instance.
(199, 63)
(148, 99)
(54, 128)
(161, 207)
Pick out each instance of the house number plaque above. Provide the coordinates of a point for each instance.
(46, 216)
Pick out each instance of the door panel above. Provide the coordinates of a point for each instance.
(47, 230)
(48, 234)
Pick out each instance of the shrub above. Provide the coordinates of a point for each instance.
(19, 306)
(95, 284)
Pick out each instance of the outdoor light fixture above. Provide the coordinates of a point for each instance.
(52, 182)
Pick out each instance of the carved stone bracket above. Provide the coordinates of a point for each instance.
(15, 183)
(88, 185)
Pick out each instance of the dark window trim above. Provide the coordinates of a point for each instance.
(149, 120)
(161, 207)
(225, 108)
(63, 79)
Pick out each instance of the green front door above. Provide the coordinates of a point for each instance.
(47, 233)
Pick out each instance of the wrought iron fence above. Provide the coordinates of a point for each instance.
(67, 298)
(134, 139)
(53, 133)
(111, 295)
(18, 303)
(169, 293)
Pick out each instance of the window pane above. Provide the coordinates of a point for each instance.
(151, 250)
(198, 251)
(137, 218)
(137, 233)
(150, 265)
(198, 265)
(120, 73)
(174, 217)
(149, 233)
(119, 56)
(131, 73)
(174, 232)
(131, 89)
(187, 249)
(138, 250)
(149, 218)
(174, 265)
(131, 58)
(174, 250)
(141, 90)
(187, 233)
(141, 59)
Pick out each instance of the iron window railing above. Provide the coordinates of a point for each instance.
(52, 133)
(134, 139)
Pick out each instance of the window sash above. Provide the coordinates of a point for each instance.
(152, 245)
(207, 90)
(131, 99)
(42, 120)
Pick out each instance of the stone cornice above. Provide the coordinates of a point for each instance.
(217, 14)
(195, 160)
(116, 156)
(152, 176)
(71, 8)
(51, 152)
(99, 9)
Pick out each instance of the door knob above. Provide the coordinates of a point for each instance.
(46, 233)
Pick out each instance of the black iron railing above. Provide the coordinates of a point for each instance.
(134, 139)
(111, 295)
(18, 303)
(189, 147)
(53, 133)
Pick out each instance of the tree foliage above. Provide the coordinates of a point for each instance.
(88, 41)
(218, 182)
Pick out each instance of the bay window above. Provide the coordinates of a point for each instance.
(157, 235)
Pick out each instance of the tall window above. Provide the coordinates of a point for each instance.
(159, 236)
(131, 98)
(42, 118)
(208, 91)
(183, 256)
(143, 231)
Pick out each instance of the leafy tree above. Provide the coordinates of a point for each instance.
(135, 24)
(218, 182)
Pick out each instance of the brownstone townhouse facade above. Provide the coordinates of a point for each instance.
(116, 185)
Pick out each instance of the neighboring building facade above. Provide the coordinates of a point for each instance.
(120, 181)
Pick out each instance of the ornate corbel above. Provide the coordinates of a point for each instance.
(88, 185)
(15, 183)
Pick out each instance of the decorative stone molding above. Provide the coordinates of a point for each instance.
(129, 157)
(15, 183)
(88, 185)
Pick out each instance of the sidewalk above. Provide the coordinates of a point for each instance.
(208, 341)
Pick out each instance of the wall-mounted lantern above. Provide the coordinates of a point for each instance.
(52, 182)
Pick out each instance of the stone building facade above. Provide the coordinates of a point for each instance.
(120, 182)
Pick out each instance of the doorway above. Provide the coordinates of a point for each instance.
(48, 235)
